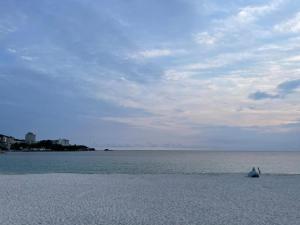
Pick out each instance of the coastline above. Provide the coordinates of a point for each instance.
(50, 150)
(148, 199)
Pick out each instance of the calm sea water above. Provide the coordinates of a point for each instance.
(149, 162)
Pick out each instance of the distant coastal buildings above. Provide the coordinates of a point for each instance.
(7, 141)
(31, 144)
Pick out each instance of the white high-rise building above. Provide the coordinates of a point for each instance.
(30, 138)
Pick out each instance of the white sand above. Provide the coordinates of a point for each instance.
(73, 199)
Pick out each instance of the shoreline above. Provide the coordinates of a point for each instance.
(234, 174)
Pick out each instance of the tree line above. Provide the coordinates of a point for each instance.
(48, 145)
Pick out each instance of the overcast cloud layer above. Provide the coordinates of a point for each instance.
(208, 74)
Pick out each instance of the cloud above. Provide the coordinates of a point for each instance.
(290, 26)
(181, 100)
(251, 13)
(11, 50)
(27, 58)
(6, 28)
(204, 38)
(174, 75)
(260, 95)
(219, 61)
(239, 27)
(288, 86)
(282, 90)
(156, 53)
(293, 58)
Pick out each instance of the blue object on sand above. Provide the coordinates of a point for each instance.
(253, 173)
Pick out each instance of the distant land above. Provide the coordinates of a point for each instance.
(29, 144)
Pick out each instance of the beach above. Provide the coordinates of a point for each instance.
(94, 199)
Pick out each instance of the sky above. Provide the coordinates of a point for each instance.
(201, 74)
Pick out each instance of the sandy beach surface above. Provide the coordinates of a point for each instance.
(90, 199)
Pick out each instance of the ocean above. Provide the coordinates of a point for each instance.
(149, 162)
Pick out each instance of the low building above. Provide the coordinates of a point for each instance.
(61, 141)
(64, 142)
(19, 141)
(6, 141)
(3, 141)
(3, 138)
(30, 138)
